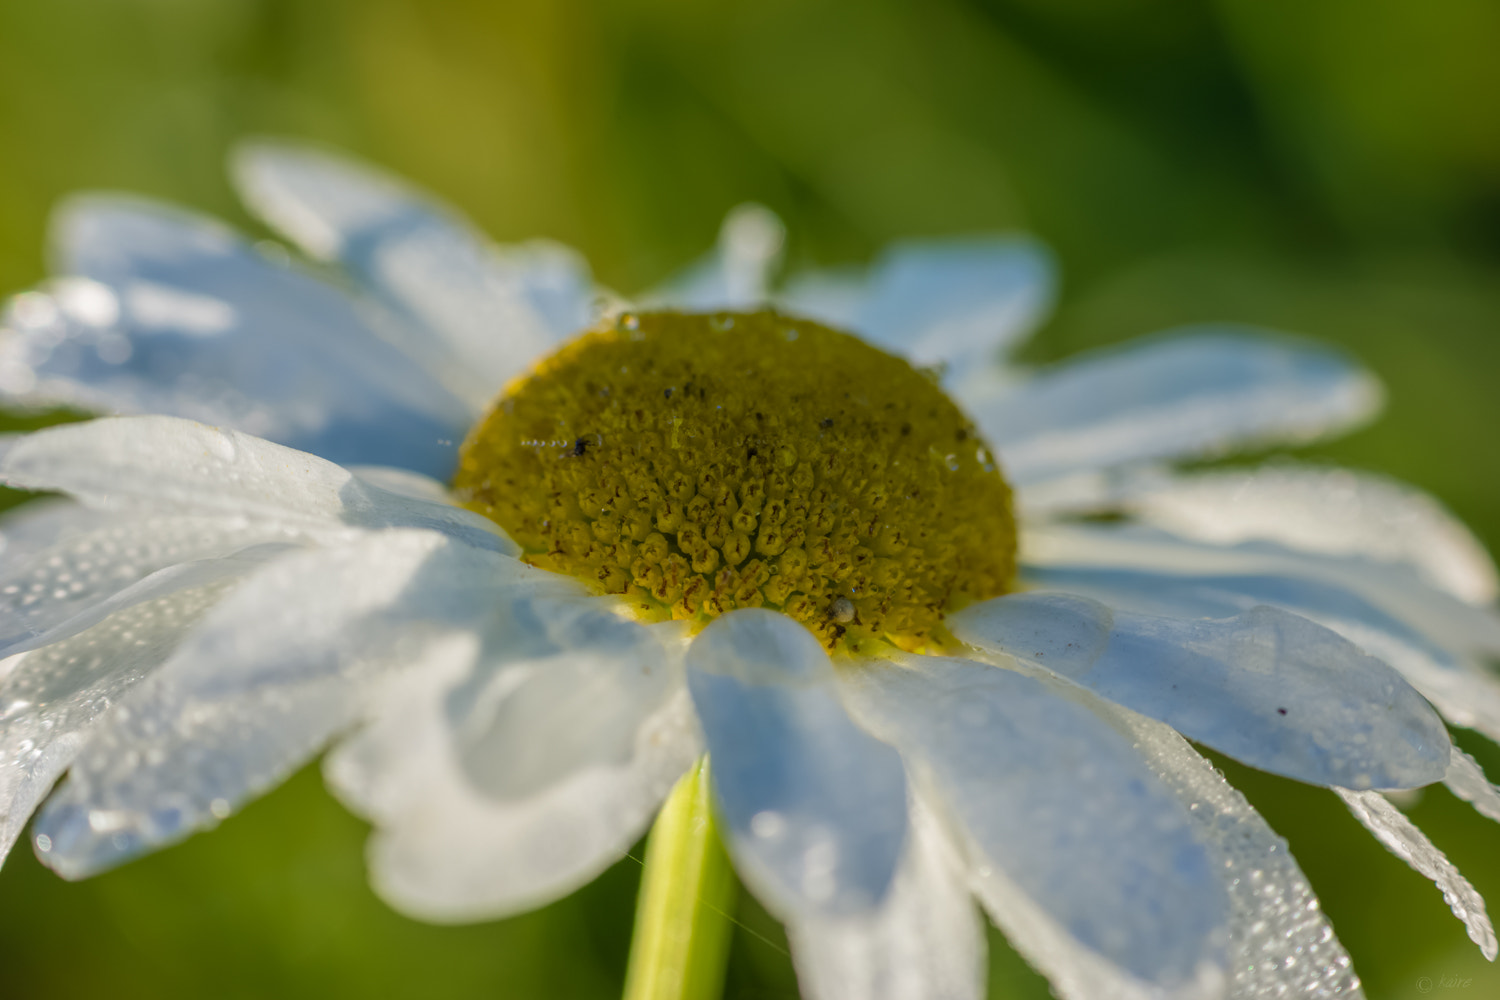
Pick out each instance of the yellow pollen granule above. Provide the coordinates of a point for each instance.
(700, 463)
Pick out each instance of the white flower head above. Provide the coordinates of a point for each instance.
(211, 606)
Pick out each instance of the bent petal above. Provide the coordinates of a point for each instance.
(50, 698)
(1337, 512)
(1280, 943)
(815, 806)
(1190, 395)
(955, 302)
(1079, 853)
(1266, 687)
(1402, 838)
(491, 311)
(475, 822)
(169, 312)
(925, 942)
(1466, 780)
(269, 675)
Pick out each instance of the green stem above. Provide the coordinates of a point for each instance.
(682, 922)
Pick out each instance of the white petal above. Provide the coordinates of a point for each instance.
(49, 698)
(1280, 943)
(1458, 687)
(815, 806)
(953, 302)
(90, 564)
(169, 312)
(1466, 779)
(166, 463)
(1456, 625)
(737, 274)
(462, 836)
(1266, 687)
(926, 942)
(1193, 394)
(1402, 838)
(491, 312)
(271, 673)
(1332, 511)
(1081, 856)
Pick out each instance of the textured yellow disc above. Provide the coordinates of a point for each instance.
(702, 463)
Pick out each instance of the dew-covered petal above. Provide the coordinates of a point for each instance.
(1402, 838)
(1465, 778)
(1333, 511)
(953, 302)
(170, 464)
(1457, 625)
(1267, 687)
(1076, 848)
(488, 312)
(737, 274)
(925, 942)
(1196, 393)
(815, 806)
(93, 563)
(494, 788)
(50, 697)
(266, 679)
(164, 311)
(1280, 943)
(1454, 685)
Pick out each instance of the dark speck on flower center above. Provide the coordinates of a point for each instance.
(700, 463)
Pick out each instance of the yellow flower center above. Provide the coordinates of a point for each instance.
(700, 463)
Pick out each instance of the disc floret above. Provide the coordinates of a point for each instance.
(700, 463)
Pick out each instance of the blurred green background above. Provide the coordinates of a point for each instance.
(1331, 168)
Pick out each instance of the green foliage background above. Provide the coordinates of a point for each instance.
(1331, 168)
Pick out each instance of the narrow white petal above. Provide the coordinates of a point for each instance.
(1082, 857)
(1458, 687)
(170, 464)
(815, 806)
(1317, 509)
(164, 311)
(49, 698)
(1466, 779)
(1457, 625)
(1267, 687)
(1280, 943)
(270, 674)
(1402, 838)
(737, 274)
(1192, 394)
(489, 798)
(490, 311)
(926, 942)
(961, 303)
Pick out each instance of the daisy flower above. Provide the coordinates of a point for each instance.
(856, 571)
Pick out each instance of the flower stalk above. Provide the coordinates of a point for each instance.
(682, 922)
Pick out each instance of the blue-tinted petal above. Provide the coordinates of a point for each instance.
(1267, 687)
(488, 312)
(955, 302)
(736, 274)
(1194, 393)
(169, 312)
(1069, 832)
(814, 805)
